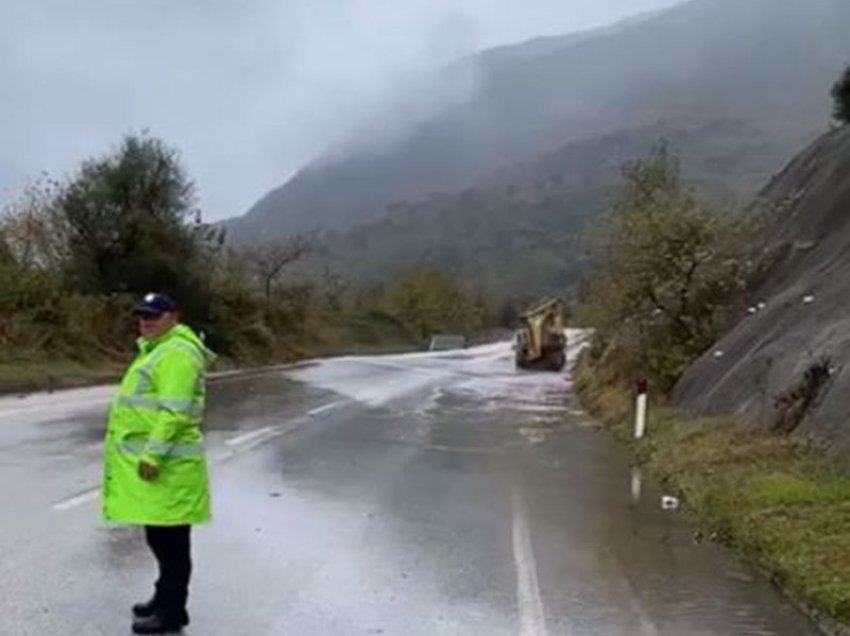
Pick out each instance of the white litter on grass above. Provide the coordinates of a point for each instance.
(669, 503)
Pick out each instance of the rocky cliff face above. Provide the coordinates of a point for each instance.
(786, 363)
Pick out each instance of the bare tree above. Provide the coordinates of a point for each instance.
(269, 260)
(335, 288)
(30, 229)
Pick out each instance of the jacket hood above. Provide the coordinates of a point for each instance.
(185, 333)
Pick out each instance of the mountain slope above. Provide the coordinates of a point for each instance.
(804, 327)
(518, 231)
(758, 61)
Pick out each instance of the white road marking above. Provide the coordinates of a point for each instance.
(532, 619)
(621, 581)
(78, 500)
(237, 445)
(533, 435)
(324, 409)
(267, 435)
(247, 437)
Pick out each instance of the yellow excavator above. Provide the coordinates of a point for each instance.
(541, 344)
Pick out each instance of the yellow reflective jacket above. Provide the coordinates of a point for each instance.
(156, 416)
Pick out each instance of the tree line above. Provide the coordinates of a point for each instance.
(75, 254)
(669, 269)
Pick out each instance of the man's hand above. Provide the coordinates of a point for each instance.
(148, 472)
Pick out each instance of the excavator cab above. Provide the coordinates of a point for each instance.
(542, 342)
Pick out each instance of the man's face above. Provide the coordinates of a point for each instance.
(152, 326)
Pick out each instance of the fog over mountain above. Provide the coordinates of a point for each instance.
(248, 91)
(763, 65)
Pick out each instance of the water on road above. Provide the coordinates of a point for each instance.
(422, 494)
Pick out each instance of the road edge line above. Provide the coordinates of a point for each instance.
(532, 618)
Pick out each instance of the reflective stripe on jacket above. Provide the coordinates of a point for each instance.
(156, 417)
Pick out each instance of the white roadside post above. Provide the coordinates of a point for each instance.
(637, 483)
(640, 410)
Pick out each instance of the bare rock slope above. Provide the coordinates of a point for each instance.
(787, 366)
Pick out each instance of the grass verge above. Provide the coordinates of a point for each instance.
(25, 377)
(779, 504)
(369, 333)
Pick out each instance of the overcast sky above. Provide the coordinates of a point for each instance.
(248, 90)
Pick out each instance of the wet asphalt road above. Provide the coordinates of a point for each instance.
(405, 496)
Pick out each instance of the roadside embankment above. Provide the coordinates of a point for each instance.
(780, 504)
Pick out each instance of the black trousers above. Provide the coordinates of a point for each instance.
(171, 545)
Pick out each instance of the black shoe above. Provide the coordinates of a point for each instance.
(156, 624)
(145, 610)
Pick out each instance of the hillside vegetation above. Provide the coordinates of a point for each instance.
(75, 256)
(513, 134)
(521, 231)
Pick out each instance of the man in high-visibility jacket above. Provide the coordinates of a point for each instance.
(155, 472)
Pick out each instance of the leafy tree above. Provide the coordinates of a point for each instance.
(7, 259)
(431, 302)
(8, 273)
(668, 265)
(77, 253)
(841, 95)
(129, 219)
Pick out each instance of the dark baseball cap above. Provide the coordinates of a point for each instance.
(154, 305)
